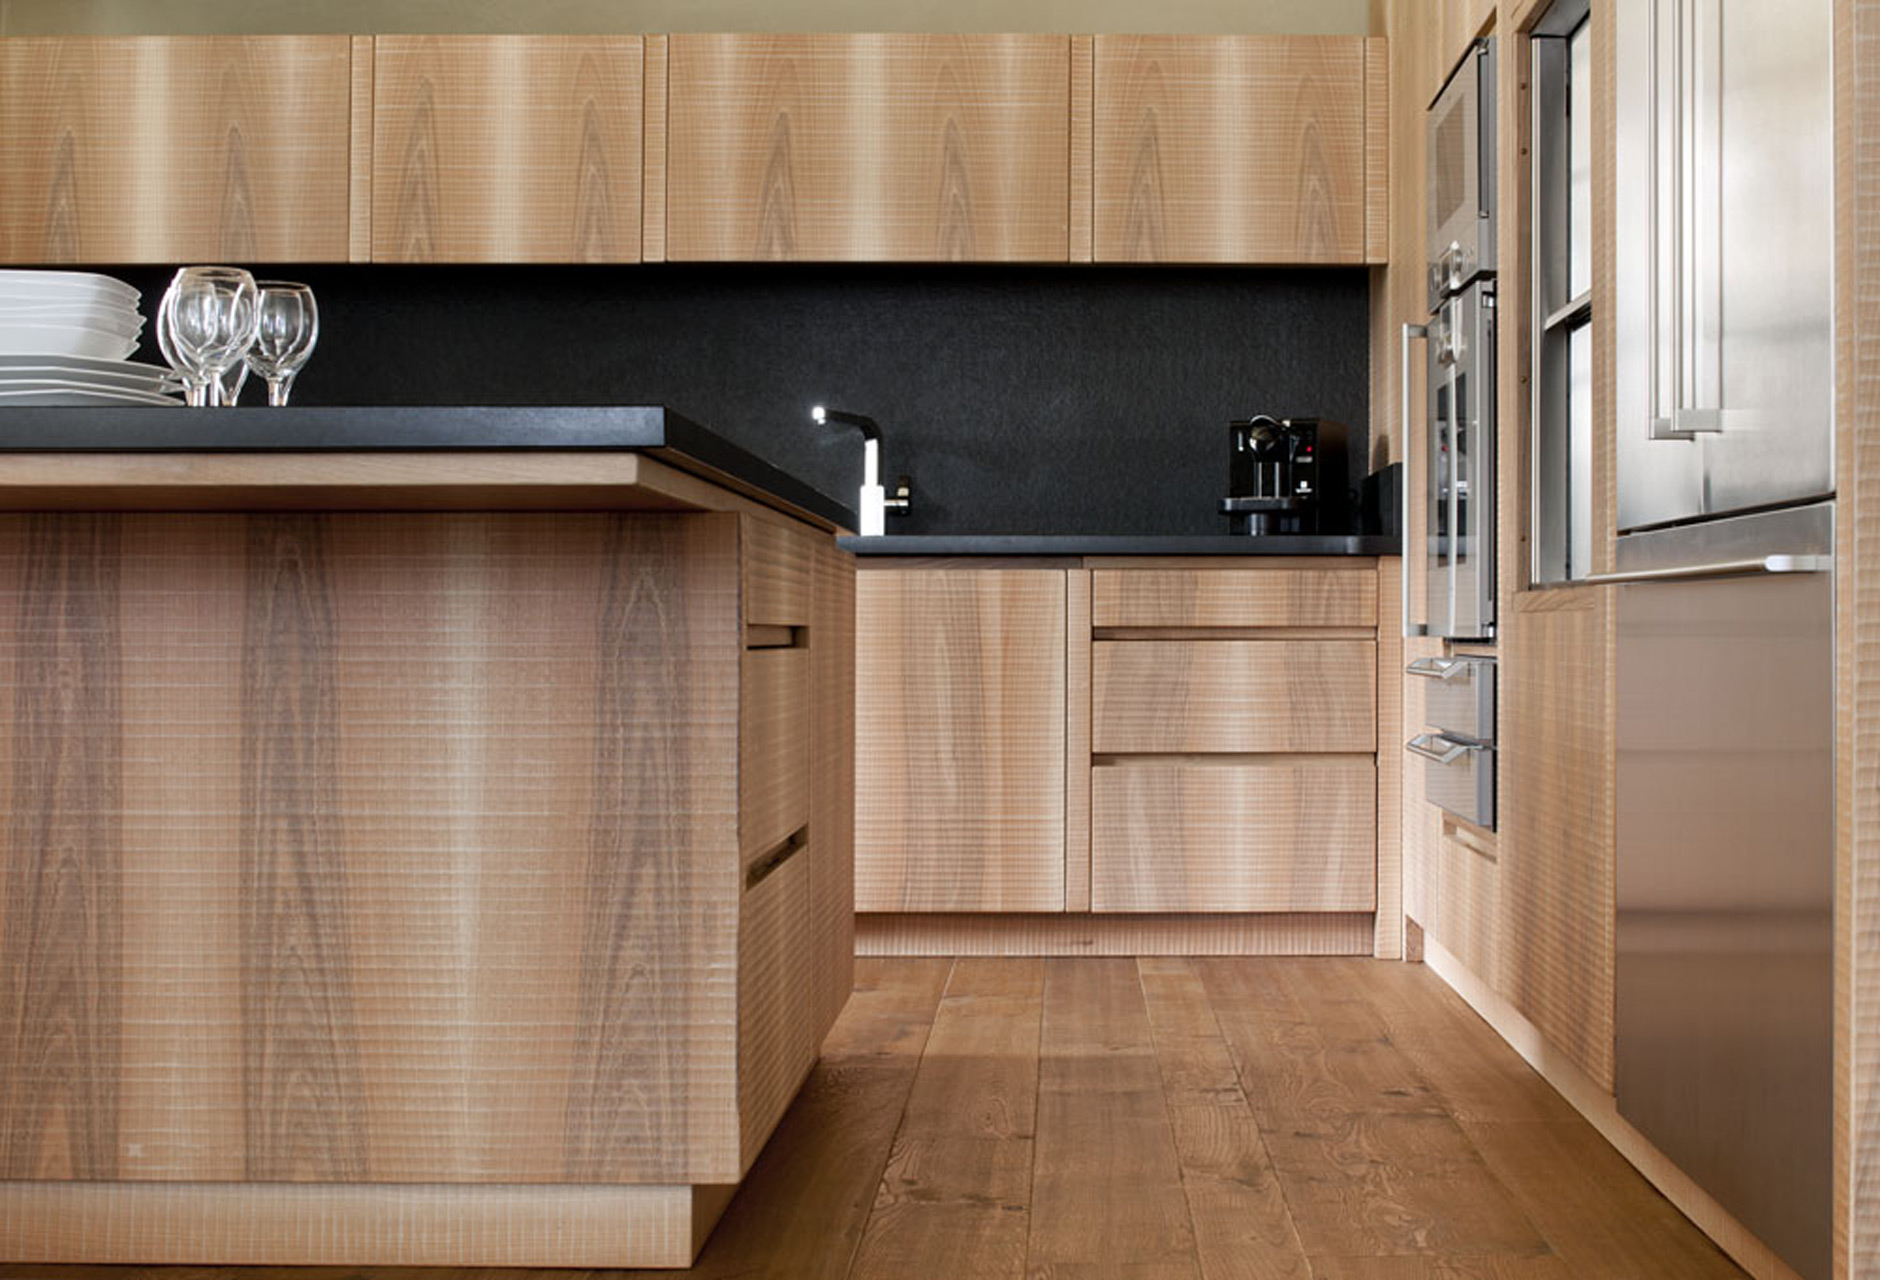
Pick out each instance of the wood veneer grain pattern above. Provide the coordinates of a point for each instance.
(1558, 874)
(60, 902)
(507, 148)
(99, 128)
(1234, 696)
(1201, 836)
(1186, 934)
(1234, 598)
(1377, 106)
(1390, 761)
(906, 148)
(304, 1091)
(961, 766)
(831, 925)
(660, 927)
(1230, 149)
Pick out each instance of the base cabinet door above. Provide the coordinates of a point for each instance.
(960, 711)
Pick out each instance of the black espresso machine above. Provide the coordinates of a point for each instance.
(1287, 475)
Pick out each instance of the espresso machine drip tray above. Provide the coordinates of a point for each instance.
(1262, 514)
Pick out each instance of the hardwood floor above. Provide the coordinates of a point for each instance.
(1245, 1119)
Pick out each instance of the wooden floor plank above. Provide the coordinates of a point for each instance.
(1106, 1183)
(1380, 1183)
(1238, 1212)
(1303, 1058)
(1599, 1213)
(1546, 1267)
(955, 1192)
(1477, 1074)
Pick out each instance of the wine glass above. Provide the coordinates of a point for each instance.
(213, 317)
(289, 328)
(195, 387)
(229, 386)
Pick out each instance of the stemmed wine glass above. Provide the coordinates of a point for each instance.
(289, 328)
(212, 316)
(195, 389)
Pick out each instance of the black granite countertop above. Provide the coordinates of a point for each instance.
(1099, 545)
(650, 429)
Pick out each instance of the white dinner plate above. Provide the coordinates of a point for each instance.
(53, 394)
(124, 368)
(63, 340)
(16, 283)
(123, 324)
(65, 369)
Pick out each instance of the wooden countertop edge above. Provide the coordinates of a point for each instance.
(431, 480)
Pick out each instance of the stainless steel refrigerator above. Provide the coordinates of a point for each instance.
(1725, 456)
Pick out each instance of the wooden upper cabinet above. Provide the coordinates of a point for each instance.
(1239, 149)
(175, 149)
(884, 148)
(507, 148)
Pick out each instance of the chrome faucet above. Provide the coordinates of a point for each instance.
(874, 504)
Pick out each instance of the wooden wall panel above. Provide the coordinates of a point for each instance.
(869, 148)
(654, 153)
(960, 773)
(1083, 106)
(1288, 834)
(1557, 868)
(1234, 695)
(175, 149)
(410, 846)
(1230, 149)
(1377, 108)
(507, 149)
(359, 175)
(1234, 598)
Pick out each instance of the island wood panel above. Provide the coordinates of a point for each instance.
(507, 148)
(1235, 597)
(1390, 761)
(960, 770)
(1286, 834)
(831, 926)
(175, 149)
(1230, 149)
(1234, 696)
(1558, 871)
(906, 148)
(780, 559)
(413, 844)
(778, 1030)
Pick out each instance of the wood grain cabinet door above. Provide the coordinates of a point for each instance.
(175, 149)
(960, 713)
(1238, 148)
(507, 148)
(883, 148)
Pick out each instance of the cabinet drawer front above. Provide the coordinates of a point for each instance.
(773, 749)
(777, 562)
(1293, 835)
(1234, 695)
(1233, 598)
(779, 1028)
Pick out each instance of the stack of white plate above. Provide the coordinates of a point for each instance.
(64, 336)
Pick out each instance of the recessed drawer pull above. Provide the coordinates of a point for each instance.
(1425, 745)
(768, 862)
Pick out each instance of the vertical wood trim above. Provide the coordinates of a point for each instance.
(1389, 937)
(1083, 106)
(1077, 741)
(359, 214)
(653, 153)
(1857, 567)
(1376, 150)
(60, 883)
(304, 1094)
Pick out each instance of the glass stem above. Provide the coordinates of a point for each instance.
(196, 393)
(278, 389)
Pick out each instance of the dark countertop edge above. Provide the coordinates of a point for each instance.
(409, 428)
(1121, 545)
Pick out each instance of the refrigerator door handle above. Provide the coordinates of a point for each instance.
(1717, 569)
(1410, 332)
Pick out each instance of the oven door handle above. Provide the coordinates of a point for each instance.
(1424, 744)
(1439, 668)
(1410, 333)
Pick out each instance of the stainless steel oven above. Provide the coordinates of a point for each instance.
(1461, 168)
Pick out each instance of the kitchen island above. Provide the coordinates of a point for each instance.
(422, 846)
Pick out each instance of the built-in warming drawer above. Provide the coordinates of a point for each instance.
(1458, 696)
(1458, 776)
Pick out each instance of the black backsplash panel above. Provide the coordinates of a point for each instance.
(1021, 400)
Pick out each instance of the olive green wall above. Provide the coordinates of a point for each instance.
(148, 17)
